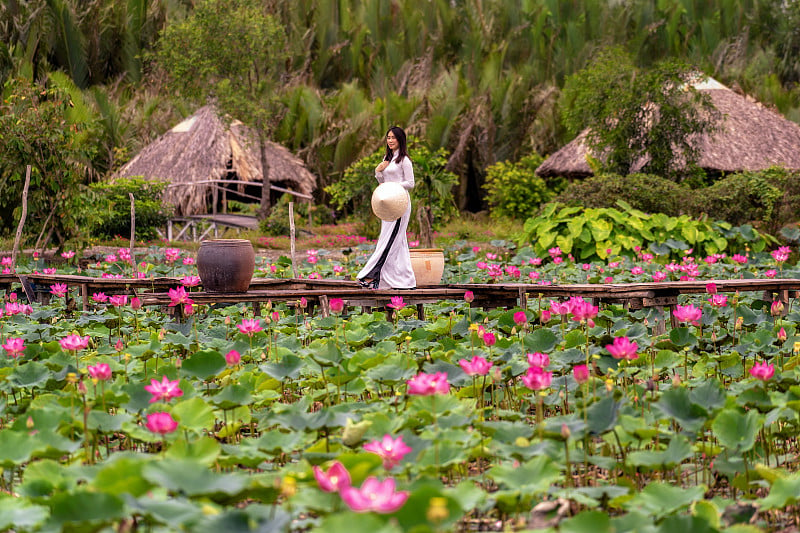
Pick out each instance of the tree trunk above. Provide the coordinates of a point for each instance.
(266, 206)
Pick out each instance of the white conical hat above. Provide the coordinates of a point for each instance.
(389, 201)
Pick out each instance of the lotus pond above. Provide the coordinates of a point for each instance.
(563, 416)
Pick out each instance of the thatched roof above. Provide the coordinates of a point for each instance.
(202, 148)
(751, 137)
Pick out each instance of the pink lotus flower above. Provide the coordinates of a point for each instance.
(688, 313)
(338, 269)
(178, 296)
(374, 495)
(303, 302)
(659, 276)
(554, 252)
(232, 358)
(118, 345)
(538, 359)
(428, 384)
(336, 305)
(536, 261)
(171, 255)
(711, 288)
(111, 258)
(100, 371)
(14, 308)
(582, 310)
(776, 308)
(250, 326)
(390, 450)
(537, 378)
(14, 347)
(188, 309)
(69, 254)
(312, 259)
(118, 300)
(781, 334)
(161, 423)
(397, 303)
(771, 273)
(190, 281)
(544, 318)
(478, 366)
(188, 261)
(136, 303)
(520, 318)
(335, 479)
(762, 371)
(74, 342)
(739, 258)
(560, 308)
(489, 338)
(99, 297)
(623, 348)
(581, 373)
(58, 290)
(469, 297)
(718, 300)
(637, 270)
(163, 390)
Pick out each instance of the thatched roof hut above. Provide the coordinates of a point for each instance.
(751, 137)
(203, 148)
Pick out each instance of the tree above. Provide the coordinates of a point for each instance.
(42, 125)
(231, 51)
(639, 119)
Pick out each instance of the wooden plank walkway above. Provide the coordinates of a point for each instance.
(154, 291)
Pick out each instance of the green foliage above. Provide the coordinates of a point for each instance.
(108, 208)
(639, 117)
(514, 190)
(592, 233)
(769, 198)
(277, 223)
(433, 185)
(645, 192)
(42, 125)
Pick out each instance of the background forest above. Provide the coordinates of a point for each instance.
(84, 87)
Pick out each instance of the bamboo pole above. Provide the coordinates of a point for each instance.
(291, 237)
(22, 217)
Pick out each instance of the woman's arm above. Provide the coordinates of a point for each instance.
(408, 174)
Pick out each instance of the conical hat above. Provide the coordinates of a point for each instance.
(389, 201)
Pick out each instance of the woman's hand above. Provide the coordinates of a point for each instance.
(382, 166)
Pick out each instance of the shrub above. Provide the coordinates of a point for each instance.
(110, 207)
(513, 190)
(597, 233)
(769, 199)
(646, 192)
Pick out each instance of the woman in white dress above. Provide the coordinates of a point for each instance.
(390, 263)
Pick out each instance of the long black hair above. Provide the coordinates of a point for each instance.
(402, 151)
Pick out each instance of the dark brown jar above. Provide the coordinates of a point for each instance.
(226, 265)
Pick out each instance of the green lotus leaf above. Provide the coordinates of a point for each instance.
(17, 514)
(182, 476)
(204, 364)
(659, 499)
(194, 414)
(123, 475)
(82, 506)
(737, 430)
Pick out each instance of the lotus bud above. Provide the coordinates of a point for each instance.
(437, 511)
(781, 334)
(565, 432)
(776, 308)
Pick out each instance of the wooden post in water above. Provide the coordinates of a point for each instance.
(291, 237)
(22, 216)
(133, 235)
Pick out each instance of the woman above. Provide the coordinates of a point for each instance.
(390, 264)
